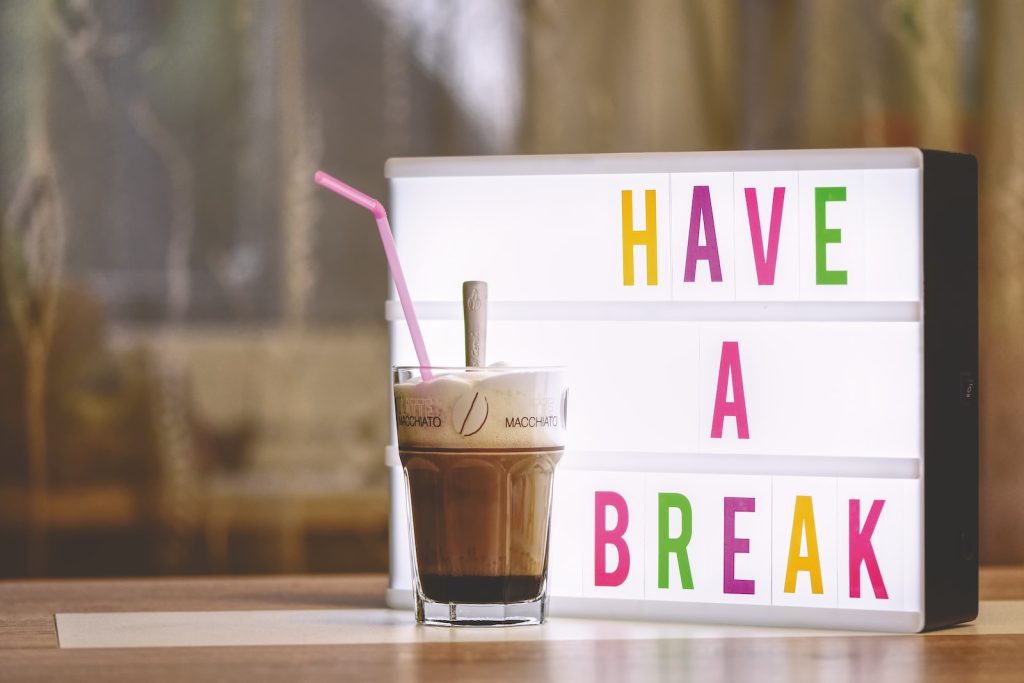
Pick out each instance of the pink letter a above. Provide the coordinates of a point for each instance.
(737, 407)
(604, 537)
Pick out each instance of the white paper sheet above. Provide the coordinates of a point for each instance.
(367, 626)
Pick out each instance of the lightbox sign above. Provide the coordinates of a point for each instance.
(773, 360)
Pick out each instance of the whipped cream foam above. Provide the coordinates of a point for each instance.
(494, 407)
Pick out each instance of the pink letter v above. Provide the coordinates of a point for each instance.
(764, 263)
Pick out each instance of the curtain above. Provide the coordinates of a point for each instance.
(155, 165)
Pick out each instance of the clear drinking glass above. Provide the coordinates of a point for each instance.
(479, 447)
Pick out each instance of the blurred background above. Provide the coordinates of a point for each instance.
(193, 360)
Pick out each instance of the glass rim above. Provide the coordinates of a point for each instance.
(498, 368)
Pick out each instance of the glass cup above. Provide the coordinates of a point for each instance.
(479, 447)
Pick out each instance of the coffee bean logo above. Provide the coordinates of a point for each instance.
(470, 413)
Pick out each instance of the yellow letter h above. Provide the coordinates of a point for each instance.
(635, 238)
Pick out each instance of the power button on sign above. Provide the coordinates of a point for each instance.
(968, 387)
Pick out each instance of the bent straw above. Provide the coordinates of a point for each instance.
(388, 240)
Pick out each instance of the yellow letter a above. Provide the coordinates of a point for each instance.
(803, 523)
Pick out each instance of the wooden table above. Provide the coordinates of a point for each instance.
(29, 647)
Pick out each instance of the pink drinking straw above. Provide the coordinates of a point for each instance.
(388, 240)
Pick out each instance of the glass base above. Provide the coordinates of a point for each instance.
(463, 614)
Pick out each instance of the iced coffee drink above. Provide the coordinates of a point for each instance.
(479, 448)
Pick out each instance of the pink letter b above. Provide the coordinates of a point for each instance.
(604, 537)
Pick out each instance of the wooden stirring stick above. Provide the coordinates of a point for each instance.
(474, 312)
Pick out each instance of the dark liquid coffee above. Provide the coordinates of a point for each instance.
(480, 521)
(481, 589)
